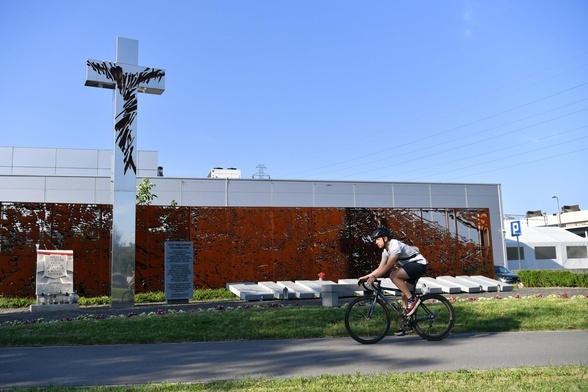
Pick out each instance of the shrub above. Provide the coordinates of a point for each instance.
(213, 294)
(16, 302)
(94, 301)
(152, 296)
(140, 298)
(552, 278)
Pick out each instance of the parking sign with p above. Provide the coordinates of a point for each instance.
(515, 228)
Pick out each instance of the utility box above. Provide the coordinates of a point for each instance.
(219, 172)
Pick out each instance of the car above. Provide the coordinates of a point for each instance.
(505, 275)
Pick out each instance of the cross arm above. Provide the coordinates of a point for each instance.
(106, 74)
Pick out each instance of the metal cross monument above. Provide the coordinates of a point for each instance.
(126, 78)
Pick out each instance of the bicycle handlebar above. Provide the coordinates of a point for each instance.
(375, 285)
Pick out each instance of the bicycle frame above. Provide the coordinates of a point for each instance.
(378, 291)
(433, 318)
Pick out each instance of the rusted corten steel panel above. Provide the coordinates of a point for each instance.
(155, 226)
(84, 229)
(266, 244)
(237, 244)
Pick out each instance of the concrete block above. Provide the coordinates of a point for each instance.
(352, 285)
(299, 291)
(484, 284)
(314, 285)
(330, 295)
(465, 286)
(249, 291)
(424, 287)
(445, 287)
(501, 286)
(279, 292)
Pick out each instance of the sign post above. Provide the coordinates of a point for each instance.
(515, 230)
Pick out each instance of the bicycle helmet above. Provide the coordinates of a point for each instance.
(381, 232)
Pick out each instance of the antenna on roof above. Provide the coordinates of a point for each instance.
(261, 172)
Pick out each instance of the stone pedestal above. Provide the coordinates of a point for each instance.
(330, 295)
(54, 308)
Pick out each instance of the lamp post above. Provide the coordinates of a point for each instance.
(558, 210)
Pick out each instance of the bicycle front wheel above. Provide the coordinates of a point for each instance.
(367, 319)
(434, 318)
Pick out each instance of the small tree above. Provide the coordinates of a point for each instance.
(144, 195)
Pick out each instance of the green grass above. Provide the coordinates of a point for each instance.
(564, 378)
(284, 322)
(569, 378)
(526, 314)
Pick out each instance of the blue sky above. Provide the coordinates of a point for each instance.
(418, 91)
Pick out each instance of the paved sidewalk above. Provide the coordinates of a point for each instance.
(201, 362)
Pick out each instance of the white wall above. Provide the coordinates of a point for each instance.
(68, 162)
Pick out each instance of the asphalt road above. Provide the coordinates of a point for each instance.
(200, 362)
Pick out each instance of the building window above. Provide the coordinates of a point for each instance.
(577, 252)
(512, 254)
(545, 252)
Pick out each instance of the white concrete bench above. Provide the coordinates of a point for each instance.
(446, 287)
(298, 290)
(502, 286)
(465, 286)
(484, 284)
(250, 291)
(330, 291)
(280, 292)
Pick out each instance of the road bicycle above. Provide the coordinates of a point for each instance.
(368, 318)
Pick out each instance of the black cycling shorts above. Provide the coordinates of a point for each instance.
(414, 270)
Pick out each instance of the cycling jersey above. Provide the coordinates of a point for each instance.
(406, 253)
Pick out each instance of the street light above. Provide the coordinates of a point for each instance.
(558, 210)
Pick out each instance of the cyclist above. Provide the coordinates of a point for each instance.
(413, 266)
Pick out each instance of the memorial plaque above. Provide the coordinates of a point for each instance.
(54, 272)
(179, 271)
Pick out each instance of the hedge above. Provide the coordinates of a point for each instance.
(553, 278)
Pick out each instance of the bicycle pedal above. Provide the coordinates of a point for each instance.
(403, 331)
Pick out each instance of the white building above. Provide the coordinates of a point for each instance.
(544, 248)
(49, 175)
(548, 241)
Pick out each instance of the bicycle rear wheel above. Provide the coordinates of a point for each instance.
(367, 321)
(434, 318)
